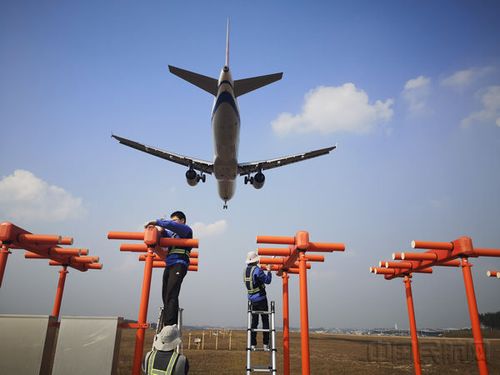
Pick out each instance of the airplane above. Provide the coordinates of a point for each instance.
(226, 129)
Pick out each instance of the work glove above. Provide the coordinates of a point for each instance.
(268, 267)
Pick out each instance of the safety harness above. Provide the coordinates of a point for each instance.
(253, 288)
(178, 250)
(170, 367)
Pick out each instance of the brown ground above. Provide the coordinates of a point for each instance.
(330, 354)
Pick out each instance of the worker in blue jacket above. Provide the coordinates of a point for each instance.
(255, 280)
(177, 263)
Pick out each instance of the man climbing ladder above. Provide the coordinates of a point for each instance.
(255, 280)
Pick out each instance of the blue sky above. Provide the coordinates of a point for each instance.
(409, 90)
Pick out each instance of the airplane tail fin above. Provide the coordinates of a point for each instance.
(227, 44)
(242, 86)
(203, 82)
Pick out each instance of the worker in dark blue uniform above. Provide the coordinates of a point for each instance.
(163, 359)
(177, 263)
(255, 280)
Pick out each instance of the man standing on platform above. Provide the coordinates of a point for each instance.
(255, 280)
(177, 263)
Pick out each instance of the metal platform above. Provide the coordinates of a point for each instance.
(87, 345)
(27, 344)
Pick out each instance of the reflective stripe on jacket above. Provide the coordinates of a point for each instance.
(176, 230)
(178, 250)
(170, 367)
(253, 286)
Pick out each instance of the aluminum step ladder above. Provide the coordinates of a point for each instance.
(271, 367)
(160, 324)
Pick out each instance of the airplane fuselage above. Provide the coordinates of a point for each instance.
(226, 133)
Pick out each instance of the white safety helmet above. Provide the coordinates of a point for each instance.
(252, 257)
(167, 339)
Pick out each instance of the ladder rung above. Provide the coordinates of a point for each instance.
(261, 312)
(262, 369)
(260, 329)
(261, 350)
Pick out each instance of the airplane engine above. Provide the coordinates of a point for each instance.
(192, 177)
(258, 180)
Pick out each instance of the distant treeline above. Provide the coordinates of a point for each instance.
(490, 320)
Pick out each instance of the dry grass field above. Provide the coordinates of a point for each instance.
(330, 354)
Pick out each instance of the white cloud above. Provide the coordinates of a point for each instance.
(329, 109)
(490, 99)
(463, 78)
(416, 92)
(201, 230)
(417, 83)
(23, 196)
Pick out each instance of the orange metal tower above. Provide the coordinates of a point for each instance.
(153, 257)
(43, 246)
(449, 254)
(294, 260)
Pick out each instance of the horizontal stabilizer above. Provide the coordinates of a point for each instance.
(203, 82)
(242, 86)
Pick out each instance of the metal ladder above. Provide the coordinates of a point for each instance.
(272, 341)
(159, 325)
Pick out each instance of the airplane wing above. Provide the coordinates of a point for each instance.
(255, 166)
(200, 165)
